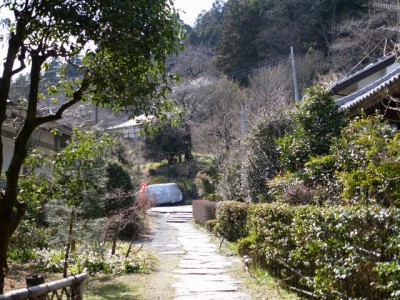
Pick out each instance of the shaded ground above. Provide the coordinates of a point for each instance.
(190, 266)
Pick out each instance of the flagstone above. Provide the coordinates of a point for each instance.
(202, 273)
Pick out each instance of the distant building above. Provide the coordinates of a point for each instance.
(131, 129)
(42, 138)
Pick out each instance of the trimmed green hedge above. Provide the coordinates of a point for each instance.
(331, 252)
(231, 216)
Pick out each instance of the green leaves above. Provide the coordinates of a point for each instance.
(335, 252)
(316, 122)
(367, 161)
(232, 217)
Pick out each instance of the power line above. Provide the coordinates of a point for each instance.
(243, 73)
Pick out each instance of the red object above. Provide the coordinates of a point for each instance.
(142, 190)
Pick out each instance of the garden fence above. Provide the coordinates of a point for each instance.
(68, 288)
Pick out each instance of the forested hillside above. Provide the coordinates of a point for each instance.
(245, 34)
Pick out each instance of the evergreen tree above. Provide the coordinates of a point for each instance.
(207, 29)
(236, 50)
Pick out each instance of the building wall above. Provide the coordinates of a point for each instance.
(41, 139)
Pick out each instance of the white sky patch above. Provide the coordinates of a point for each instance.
(190, 9)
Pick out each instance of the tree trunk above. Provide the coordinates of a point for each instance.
(69, 243)
(114, 244)
(5, 226)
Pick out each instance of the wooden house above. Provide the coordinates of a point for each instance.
(376, 88)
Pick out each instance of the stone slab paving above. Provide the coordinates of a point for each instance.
(202, 273)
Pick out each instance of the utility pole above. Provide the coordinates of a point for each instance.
(243, 112)
(296, 88)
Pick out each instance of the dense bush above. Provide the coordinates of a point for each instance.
(316, 122)
(205, 186)
(231, 216)
(290, 189)
(262, 159)
(362, 166)
(331, 252)
(367, 161)
(27, 238)
(212, 226)
(119, 186)
(269, 225)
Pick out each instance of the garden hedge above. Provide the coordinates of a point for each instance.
(330, 253)
(232, 216)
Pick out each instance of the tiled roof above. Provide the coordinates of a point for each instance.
(367, 71)
(370, 90)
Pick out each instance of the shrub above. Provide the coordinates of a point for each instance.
(290, 189)
(332, 252)
(316, 121)
(203, 210)
(367, 162)
(231, 216)
(262, 160)
(118, 182)
(26, 239)
(247, 246)
(270, 224)
(205, 186)
(230, 177)
(211, 226)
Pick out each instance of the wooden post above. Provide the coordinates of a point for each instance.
(34, 280)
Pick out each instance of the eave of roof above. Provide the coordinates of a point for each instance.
(371, 94)
(364, 73)
(138, 121)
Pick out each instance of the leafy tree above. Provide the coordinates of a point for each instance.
(78, 174)
(170, 143)
(207, 29)
(123, 45)
(316, 122)
(236, 50)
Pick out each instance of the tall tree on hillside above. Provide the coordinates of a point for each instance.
(124, 46)
(207, 29)
(236, 50)
(256, 31)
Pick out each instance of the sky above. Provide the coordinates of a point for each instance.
(190, 9)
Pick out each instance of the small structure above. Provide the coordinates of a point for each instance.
(374, 88)
(47, 138)
(132, 129)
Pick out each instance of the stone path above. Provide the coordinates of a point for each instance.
(202, 273)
